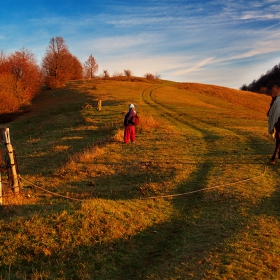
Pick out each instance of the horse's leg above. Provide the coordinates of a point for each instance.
(277, 142)
(273, 158)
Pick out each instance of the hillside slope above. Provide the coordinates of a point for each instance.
(194, 198)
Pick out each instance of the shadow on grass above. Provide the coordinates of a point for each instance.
(181, 248)
(270, 206)
(10, 212)
(63, 129)
(178, 248)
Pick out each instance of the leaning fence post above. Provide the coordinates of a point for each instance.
(1, 191)
(5, 133)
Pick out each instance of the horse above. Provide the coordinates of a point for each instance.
(277, 142)
(273, 115)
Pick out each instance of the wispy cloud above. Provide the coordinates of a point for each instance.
(201, 41)
(194, 66)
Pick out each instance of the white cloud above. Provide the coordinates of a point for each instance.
(193, 66)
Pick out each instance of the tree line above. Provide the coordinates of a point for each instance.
(266, 83)
(21, 77)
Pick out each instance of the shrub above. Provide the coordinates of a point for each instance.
(149, 76)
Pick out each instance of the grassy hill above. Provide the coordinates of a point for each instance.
(194, 198)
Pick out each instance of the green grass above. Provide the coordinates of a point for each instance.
(194, 198)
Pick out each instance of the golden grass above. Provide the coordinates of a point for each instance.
(118, 136)
(61, 148)
(192, 199)
(148, 123)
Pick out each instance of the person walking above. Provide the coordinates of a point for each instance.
(129, 126)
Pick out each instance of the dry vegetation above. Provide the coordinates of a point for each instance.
(194, 198)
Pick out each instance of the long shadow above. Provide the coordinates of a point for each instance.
(269, 206)
(203, 225)
(178, 248)
(160, 251)
(163, 251)
(27, 211)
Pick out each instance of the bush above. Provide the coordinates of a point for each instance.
(149, 76)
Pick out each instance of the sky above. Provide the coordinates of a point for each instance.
(220, 42)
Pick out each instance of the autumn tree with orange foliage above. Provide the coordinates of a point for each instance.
(59, 65)
(20, 79)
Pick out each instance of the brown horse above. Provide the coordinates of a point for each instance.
(274, 95)
(277, 142)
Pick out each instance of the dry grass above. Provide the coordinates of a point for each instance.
(118, 136)
(149, 123)
(192, 199)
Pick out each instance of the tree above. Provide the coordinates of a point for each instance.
(157, 76)
(3, 62)
(266, 82)
(75, 68)
(20, 79)
(59, 65)
(27, 74)
(149, 76)
(90, 67)
(8, 101)
(106, 74)
(128, 73)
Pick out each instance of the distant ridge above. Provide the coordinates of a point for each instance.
(47, 98)
(266, 82)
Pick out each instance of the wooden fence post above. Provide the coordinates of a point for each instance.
(1, 191)
(5, 133)
(99, 105)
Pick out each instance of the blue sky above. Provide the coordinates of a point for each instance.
(221, 42)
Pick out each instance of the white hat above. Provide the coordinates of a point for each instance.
(131, 106)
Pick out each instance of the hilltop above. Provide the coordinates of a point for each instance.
(249, 100)
(194, 198)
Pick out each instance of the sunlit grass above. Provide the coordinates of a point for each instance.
(192, 199)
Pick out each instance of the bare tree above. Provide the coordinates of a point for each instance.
(149, 76)
(90, 67)
(127, 73)
(157, 76)
(106, 74)
(3, 63)
(117, 74)
(3, 59)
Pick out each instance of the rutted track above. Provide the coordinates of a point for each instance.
(147, 96)
(187, 130)
(170, 115)
(206, 135)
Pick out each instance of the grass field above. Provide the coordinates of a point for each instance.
(194, 198)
